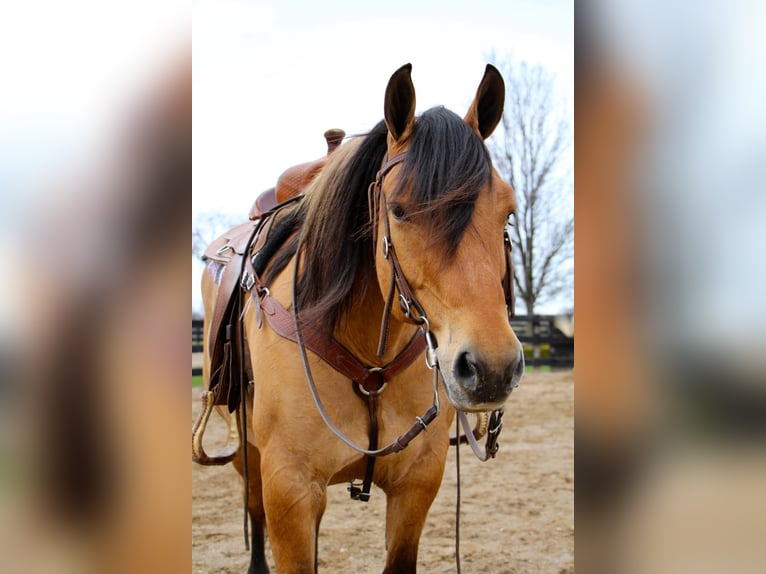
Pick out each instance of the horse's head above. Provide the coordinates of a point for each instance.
(442, 210)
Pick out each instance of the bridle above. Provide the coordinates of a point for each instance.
(409, 304)
(414, 311)
(407, 299)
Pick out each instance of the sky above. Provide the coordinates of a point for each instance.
(269, 77)
(70, 72)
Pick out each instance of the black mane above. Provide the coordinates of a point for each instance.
(445, 167)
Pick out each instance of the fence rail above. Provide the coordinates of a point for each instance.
(197, 335)
(545, 343)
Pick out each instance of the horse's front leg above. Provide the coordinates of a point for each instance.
(406, 511)
(294, 501)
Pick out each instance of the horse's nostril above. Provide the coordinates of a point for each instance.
(465, 367)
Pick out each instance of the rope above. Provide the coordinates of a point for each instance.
(399, 443)
(457, 501)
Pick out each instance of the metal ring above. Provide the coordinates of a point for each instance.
(368, 393)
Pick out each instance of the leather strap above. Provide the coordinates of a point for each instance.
(372, 403)
(399, 282)
(333, 352)
(240, 346)
(363, 494)
(238, 246)
(508, 287)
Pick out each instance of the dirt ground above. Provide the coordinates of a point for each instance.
(517, 512)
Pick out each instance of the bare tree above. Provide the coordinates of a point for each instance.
(531, 151)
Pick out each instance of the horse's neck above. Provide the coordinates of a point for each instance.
(359, 329)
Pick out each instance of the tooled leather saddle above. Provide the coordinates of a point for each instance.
(226, 257)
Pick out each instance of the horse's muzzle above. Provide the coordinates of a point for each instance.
(484, 384)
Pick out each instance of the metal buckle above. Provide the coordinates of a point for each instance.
(404, 303)
(386, 247)
(247, 281)
(358, 493)
(407, 306)
(262, 291)
(432, 360)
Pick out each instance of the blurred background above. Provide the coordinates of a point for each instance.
(95, 203)
(670, 369)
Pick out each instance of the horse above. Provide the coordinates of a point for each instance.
(413, 207)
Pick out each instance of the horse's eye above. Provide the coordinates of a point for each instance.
(398, 212)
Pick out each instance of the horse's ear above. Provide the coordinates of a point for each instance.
(399, 107)
(487, 107)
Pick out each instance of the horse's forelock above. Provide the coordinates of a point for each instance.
(446, 167)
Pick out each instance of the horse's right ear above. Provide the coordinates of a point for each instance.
(399, 107)
(486, 111)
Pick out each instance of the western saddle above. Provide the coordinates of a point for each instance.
(229, 251)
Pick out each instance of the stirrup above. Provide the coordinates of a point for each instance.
(227, 453)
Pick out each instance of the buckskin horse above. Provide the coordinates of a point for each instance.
(394, 252)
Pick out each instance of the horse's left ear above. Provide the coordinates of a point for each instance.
(487, 107)
(399, 107)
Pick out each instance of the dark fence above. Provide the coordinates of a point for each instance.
(196, 335)
(196, 343)
(545, 344)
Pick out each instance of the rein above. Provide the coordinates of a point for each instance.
(408, 301)
(397, 444)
